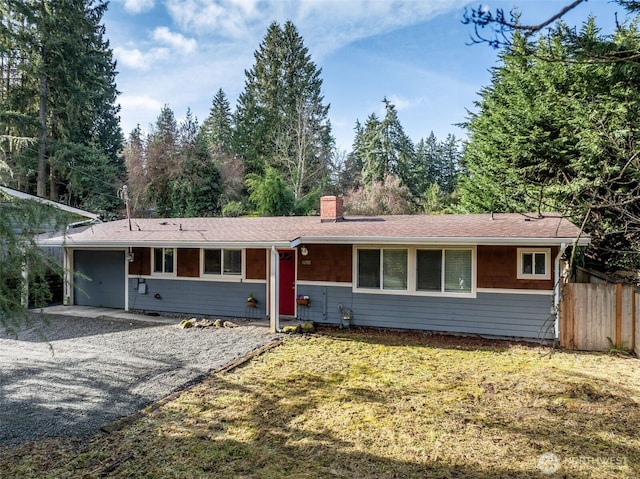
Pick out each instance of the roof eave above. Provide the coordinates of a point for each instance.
(582, 241)
(21, 195)
(69, 243)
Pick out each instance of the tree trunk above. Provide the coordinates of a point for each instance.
(42, 145)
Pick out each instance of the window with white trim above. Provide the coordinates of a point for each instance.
(444, 270)
(415, 270)
(222, 261)
(382, 268)
(164, 260)
(534, 263)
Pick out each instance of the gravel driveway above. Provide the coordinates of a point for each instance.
(73, 375)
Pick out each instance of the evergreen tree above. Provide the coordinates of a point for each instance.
(270, 194)
(135, 159)
(436, 162)
(449, 166)
(20, 222)
(217, 132)
(281, 119)
(163, 161)
(383, 148)
(563, 136)
(218, 127)
(195, 184)
(63, 79)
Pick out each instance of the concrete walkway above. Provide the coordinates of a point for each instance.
(95, 313)
(110, 313)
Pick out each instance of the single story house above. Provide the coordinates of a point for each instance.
(487, 274)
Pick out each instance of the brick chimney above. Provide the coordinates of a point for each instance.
(331, 209)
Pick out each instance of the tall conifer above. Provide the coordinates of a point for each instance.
(281, 119)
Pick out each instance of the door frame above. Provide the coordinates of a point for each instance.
(294, 252)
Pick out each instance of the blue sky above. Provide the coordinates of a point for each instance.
(414, 52)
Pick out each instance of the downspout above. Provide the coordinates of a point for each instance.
(274, 291)
(557, 291)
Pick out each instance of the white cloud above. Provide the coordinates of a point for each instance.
(176, 40)
(138, 110)
(204, 45)
(221, 18)
(326, 25)
(131, 58)
(143, 102)
(404, 103)
(137, 59)
(138, 6)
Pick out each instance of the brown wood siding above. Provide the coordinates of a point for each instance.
(141, 264)
(256, 267)
(188, 262)
(498, 268)
(326, 262)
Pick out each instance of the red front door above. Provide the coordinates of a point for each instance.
(287, 281)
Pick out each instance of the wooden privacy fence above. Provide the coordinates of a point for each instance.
(593, 317)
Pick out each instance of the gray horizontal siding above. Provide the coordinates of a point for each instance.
(209, 298)
(491, 314)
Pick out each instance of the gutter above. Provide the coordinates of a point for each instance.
(484, 241)
(69, 242)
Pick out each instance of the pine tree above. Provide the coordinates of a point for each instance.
(20, 222)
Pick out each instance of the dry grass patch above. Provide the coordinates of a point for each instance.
(377, 404)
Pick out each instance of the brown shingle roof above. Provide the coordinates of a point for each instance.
(552, 228)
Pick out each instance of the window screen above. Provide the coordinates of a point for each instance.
(457, 275)
(394, 269)
(168, 260)
(232, 261)
(163, 260)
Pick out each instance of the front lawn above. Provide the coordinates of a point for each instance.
(373, 404)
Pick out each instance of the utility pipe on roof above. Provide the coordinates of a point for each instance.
(557, 290)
